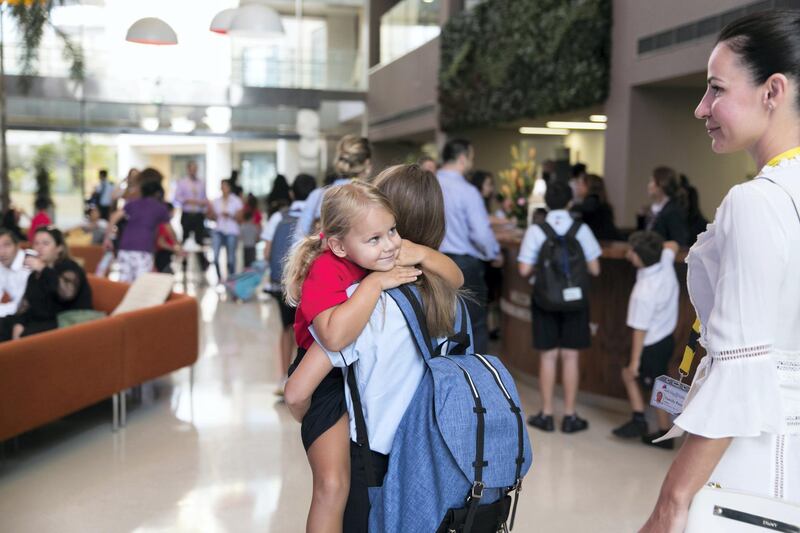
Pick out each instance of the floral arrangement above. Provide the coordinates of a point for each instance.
(515, 184)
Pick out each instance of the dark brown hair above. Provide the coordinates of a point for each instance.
(595, 186)
(418, 203)
(667, 180)
(767, 42)
(58, 238)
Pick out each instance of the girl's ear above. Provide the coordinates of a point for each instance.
(336, 246)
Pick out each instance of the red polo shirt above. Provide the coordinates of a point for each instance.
(324, 287)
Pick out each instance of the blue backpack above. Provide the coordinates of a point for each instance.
(461, 448)
(282, 243)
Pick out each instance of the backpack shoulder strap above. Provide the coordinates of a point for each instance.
(362, 438)
(548, 230)
(409, 302)
(574, 229)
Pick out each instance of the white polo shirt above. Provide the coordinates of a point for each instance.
(13, 281)
(561, 221)
(388, 372)
(653, 306)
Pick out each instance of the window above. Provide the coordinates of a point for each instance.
(257, 171)
(408, 25)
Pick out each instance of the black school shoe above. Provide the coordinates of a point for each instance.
(664, 445)
(573, 423)
(540, 421)
(631, 429)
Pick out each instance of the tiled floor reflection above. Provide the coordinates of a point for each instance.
(225, 456)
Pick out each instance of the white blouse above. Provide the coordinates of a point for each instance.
(744, 282)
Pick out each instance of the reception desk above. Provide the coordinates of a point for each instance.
(611, 338)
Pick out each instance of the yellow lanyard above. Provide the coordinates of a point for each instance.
(788, 154)
(690, 351)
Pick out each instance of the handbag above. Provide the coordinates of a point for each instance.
(718, 510)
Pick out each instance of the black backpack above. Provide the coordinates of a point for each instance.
(562, 277)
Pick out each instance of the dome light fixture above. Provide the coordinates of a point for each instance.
(151, 30)
(256, 20)
(221, 23)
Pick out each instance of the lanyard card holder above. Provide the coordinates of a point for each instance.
(669, 394)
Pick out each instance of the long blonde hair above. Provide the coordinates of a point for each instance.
(341, 206)
(419, 210)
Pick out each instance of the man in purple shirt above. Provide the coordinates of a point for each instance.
(469, 239)
(190, 197)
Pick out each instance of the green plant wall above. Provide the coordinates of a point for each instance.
(512, 59)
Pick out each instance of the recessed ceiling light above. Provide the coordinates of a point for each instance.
(598, 118)
(543, 131)
(576, 125)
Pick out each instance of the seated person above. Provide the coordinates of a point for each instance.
(95, 225)
(13, 275)
(56, 284)
(652, 315)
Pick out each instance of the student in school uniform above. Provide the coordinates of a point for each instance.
(559, 333)
(652, 315)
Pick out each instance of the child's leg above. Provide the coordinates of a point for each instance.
(329, 458)
(287, 347)
(547, 379)
(664, 423)
(634, 390)
(570, 378)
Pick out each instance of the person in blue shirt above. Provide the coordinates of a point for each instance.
(469, 239)
(352, 161)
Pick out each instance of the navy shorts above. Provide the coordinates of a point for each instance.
(655, 361)
(328, 404)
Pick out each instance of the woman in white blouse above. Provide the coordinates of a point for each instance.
(743, 411)
(227, 212)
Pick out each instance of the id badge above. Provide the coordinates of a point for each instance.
(573, 294)
(669, 395)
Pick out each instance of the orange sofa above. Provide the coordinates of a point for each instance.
(88, 256)
(47, 376)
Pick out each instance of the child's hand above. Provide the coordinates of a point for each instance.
(397, 276)
(411, 254)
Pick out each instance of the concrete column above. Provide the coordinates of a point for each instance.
(218, 165)
(288, 159)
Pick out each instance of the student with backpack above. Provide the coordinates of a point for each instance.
(385, 373)
(562, 254)
(278, 236)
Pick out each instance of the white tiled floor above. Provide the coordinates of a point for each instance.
(225, 456)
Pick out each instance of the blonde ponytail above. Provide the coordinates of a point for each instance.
(297, 264)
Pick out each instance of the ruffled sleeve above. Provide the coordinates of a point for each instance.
(736, 392)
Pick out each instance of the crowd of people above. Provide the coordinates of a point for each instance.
(334, 251)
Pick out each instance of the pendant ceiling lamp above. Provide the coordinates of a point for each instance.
(222, 22)
(256, 20)
(151, 30)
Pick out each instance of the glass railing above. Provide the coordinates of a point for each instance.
(339, 70)
(407, 26)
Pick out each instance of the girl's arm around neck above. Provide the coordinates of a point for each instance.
(432, 261)
(339, 326)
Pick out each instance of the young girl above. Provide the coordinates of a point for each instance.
(442, 278)
(358, 235)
